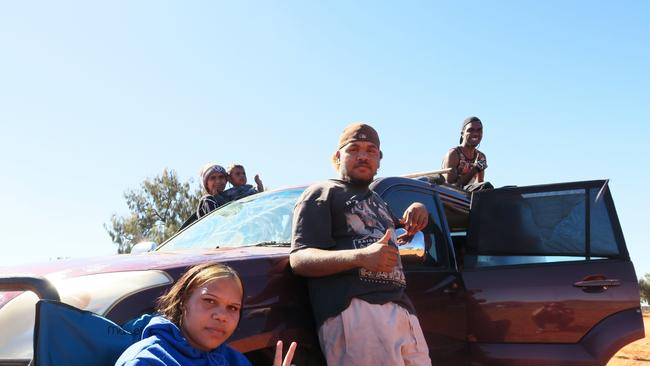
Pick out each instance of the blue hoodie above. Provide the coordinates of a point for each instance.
(163, 344)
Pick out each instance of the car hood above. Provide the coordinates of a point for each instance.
(160, 260)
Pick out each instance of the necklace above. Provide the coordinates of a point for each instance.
(467, 157)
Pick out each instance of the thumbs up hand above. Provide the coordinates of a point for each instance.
(380, 256)
(386, 238)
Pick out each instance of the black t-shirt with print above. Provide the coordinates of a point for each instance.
(336, 215)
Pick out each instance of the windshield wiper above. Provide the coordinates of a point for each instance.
(272, 244)
(258, 244)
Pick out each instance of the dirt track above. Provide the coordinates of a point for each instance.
(637, 353)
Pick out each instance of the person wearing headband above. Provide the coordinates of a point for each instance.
(344, 243)
(214, 178)
(466, 162)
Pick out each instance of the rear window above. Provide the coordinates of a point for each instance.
(603, 240)
(541, 224)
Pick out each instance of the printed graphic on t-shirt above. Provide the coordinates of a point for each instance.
(368, 218)
(465, 164)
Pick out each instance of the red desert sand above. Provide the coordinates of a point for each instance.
(637, 353)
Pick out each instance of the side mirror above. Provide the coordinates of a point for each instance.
(414, 250)
(144, 247)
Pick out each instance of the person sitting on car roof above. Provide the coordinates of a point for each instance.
(344, 242)
(197, 315)
(466, 163)
(239, 189)
(214, 179)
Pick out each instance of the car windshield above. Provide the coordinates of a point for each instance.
(260, 219)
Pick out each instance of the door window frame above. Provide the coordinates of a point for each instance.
(586, 187)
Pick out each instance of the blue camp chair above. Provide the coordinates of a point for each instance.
(67, 336)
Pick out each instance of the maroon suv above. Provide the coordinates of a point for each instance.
(535, 275)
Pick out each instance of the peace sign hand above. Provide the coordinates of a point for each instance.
(278, 354)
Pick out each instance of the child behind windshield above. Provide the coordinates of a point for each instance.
(239, 189)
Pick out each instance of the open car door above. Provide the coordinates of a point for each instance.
(548, 276)
(434, 284)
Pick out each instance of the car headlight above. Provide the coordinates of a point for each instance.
(97, 293)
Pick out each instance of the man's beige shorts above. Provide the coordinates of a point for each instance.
(368, 334)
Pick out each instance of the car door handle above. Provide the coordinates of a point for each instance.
(597, 285)
(451, 289)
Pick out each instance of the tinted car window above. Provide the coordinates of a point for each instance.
(603, 242)
(532, 223)
(522, 226)
(262, 217)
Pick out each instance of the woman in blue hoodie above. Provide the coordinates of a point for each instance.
(197, 316)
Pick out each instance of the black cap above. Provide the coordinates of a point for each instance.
(469, 120)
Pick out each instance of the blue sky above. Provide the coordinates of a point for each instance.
(95, 97)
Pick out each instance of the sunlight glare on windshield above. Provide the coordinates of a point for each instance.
(259, 218)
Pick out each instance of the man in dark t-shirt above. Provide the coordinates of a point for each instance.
(344, 243)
